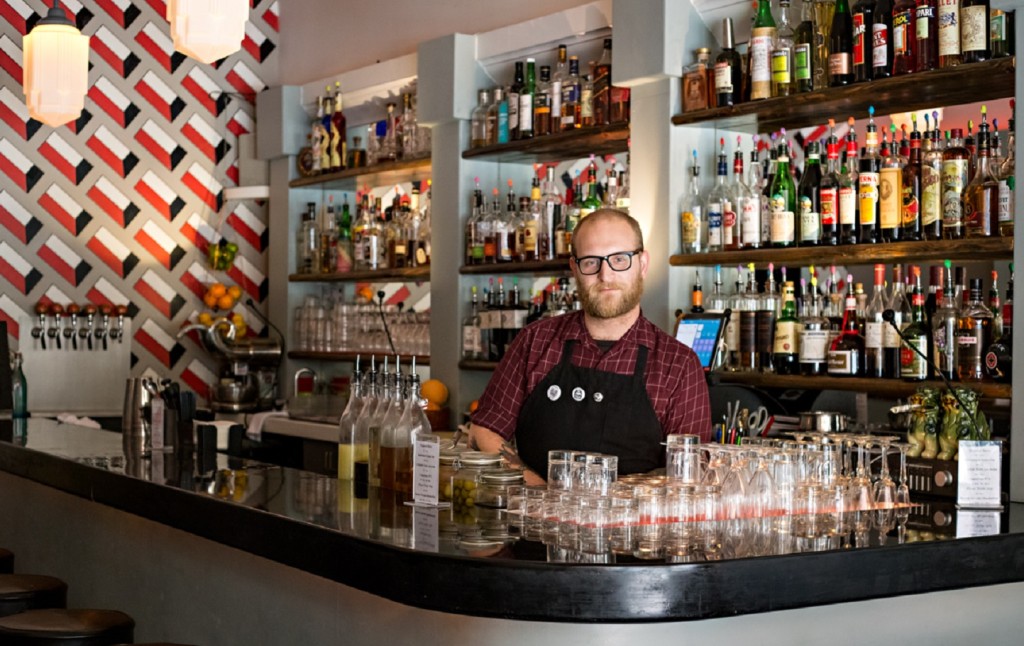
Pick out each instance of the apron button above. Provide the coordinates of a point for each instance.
(554, 393)
(598, 397)
(579, 394)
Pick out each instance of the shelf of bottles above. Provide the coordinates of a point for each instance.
(970, 83)
(532, 267)
(392, 172)
(861, 254)
(408, 274)
(885, 388)
(313, 355)
(580, 142)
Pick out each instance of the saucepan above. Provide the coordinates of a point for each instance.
(823, 421)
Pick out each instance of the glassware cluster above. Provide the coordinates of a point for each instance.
(332, 324)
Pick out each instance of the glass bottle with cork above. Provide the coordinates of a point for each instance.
(788, 329)
(762, 42)
(846, 354)
(913, 366)
(973, 335)
(981, 195)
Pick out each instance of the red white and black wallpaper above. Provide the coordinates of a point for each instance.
(120, 206)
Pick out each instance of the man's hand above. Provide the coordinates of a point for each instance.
(488, 441)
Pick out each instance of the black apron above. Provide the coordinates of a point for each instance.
(585, 409)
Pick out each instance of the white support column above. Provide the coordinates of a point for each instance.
(1017, 412)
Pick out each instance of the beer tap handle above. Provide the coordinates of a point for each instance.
(57, 310)
(104, 332)
(121, 311)
(71, 331)
(39, 331)
(90, 320)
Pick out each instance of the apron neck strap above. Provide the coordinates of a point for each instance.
(567, 349)
(641, 361)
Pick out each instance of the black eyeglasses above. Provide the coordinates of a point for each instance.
(619, 261)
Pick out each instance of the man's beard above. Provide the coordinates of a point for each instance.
(610, 306)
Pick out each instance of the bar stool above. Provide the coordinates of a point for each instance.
(53, 627)
(6, 561)
(21, 592)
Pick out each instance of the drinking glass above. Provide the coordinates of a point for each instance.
(682, 458)
(594, 521)
(885, 487)
(560, 470)
(602, 471)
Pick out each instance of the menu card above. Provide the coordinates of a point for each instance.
(426, 466)
(977, 522)
(979, 473)
(425, 528)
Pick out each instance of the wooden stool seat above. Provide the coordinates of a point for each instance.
(21, 592)
(6, 561)
(53, 627)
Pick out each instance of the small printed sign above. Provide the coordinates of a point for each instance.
(979, 473)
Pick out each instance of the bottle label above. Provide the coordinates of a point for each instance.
(782, 66)
(991, 361)
(810, 221)
(765, 322)
(802, 62)
(690, 226)
(954, 178)
(890, 339)
(911, 206)
(841, 362)
(513, 110)
(829, 199)
(728, 224)
(783, 223)
(890, 195)
(748, 332)
(525, 112)
(944, 350)
(902, 23)
(847, 206)
(839, 63)
(530, 237)
(787, 337)
(732, 333)
(873, 334)
(973, 30)
(997, 27)
(949, 27)
(868, 199)
(879, 45)
(556, 100)
(1005, 213)
(924, 16)
(760, 66)
(859, 32)
(750, 221)
(715, 224)
(723, 78)
(813, 346)
(931, 194)
(912, 366)
(472, 341)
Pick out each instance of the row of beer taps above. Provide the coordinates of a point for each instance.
(74, 322)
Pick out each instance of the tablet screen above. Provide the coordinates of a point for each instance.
(701, 336)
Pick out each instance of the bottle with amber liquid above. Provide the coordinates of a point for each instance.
(846, 354)
(926, 34)
(904, 37)
(981, 196)
(863, 15)
(973, 335)
(930, 178)
(890, 192)
(868, 184)
(999, 358)
(948, 17)
(911, 187)
(955, 166)
(974, 30)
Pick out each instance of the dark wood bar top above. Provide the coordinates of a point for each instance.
(431, 559)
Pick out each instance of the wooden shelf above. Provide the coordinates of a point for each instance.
(876, 387)
(477, 364)
(542, 267)
(408, 274)
(861, 254)
(963, 84)
(421, 359)
(601, 140)
(376, 175)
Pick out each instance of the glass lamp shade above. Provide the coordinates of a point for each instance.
(207, 30)
(55, 73)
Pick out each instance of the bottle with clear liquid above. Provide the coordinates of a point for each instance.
(348, 451)
(749, 303)
(19, 389)
(551, 213)
(765, 316)
(372, 397)
(478, 120)
(746, 212)
(308, 243)
(693, 224)
(750, 209)
(1006, 176)
(783, 83)
(973, 335)
(874, 324)
(391, 389)
(718, 198)
(944, 329)
(891, 342)
(814, 337)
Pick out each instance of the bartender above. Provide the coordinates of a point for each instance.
(604, 379)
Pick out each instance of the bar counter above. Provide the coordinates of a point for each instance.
(423, 558)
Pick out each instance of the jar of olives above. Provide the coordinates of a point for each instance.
(492, 490)
(468, 467)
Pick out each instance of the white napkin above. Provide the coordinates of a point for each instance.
(255, 430)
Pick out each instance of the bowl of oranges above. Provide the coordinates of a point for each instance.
(220, 297)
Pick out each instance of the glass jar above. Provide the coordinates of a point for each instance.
(448, 460)
(492, 489)
(467, 469)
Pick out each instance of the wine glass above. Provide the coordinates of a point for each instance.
(861, 490)
(902, 497)
(885, 487)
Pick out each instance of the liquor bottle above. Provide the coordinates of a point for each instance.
(593, 200)
(994, 306)
(914, 367)
(814, 335)
(575, 212)
(552, 214)
(512, 222)
(474, 240)
(692, 224)
(762, 42)
(345, 253)
(931, 184)
(840, 50)
(803, 48)
(974, 30)
(768, 171)
(782, 54)
(424, 239)
(890, 192)
(881, 40)
(516, 312)
(846, 353)
(558, 78)
(981, 195)
(753, 212)
(891, 343)
(375, 252)
(728, 69)
(767, 311)
(824, 13)
(603, 85)
(696, 93)
(1006, 176)
(868, 183)
(542, 104)
(348, 450)
(911, 183)
(955, 163)
(948, 17)
(1001, 33)
(586, 111)
(622, 200)
(716, 202)
(526, 94)
(571, 96)
(472, 341)
(828, 190)
(788, 328)
(747, 206)
(500, 111)
(927, 35)
(904, 37)
(849, 185)
(512, 97)
(478, 120)
(308, 242)
(717, 303)
(339, 131)
(999, 358)
(973, 335)
(531, 224)
(697, 297)
(944, 320)
(874, 362)
(972, 151)
(782, 193)
(863, 15)
(749, 357)
(809, 222)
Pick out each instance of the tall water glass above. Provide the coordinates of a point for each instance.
(682, 458)
(560, 470)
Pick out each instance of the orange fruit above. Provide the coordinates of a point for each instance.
(217, 289)
(225, 302)
(475, 404)
(431, 406)
(434, 392)
(210, 301)
(205, 319)
(235, 291)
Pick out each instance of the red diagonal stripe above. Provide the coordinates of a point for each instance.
(12, 325)
(104, 254)
(248, 285)
(154, 50)
(200, 142)
(108, 106)
(13, 225)
(147, 292)
(193, 381)
(153, 346)
(13, 17)
(107, 155)
(204, 98)
(150, 196)
(203, 193)
(154, 148)
(13, 276)
(108, 207)
(250, 236)
(14, 173)
(188, 279)
(11, 66)
(113, 10)
(60, 215)
(155, 250)
(13, 120)
(62, 164)
(107, 54)
(272, 20)
(154, 98)
(58, 263)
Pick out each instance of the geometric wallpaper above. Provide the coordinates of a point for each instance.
(120, 206)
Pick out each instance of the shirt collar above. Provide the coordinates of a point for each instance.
(640, 333)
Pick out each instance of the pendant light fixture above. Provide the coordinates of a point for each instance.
(55, 68)
(207, 30)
